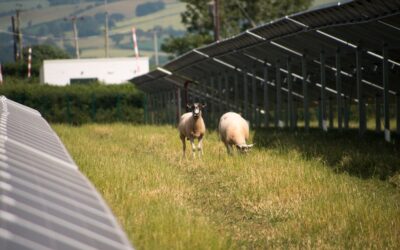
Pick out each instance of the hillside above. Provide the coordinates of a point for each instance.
(42, 22)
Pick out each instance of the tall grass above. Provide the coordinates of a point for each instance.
(291, 191)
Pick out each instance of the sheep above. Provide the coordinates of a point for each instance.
(234, 130)
(191, 126)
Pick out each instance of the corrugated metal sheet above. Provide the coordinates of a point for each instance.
(46, 203)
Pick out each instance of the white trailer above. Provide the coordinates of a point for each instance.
(105, 70)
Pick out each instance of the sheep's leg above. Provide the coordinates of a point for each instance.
(183, 145)
(200, 146)
(228, 148)
(193, 146)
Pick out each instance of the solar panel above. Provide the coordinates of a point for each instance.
(46, 203)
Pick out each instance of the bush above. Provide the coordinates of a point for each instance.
(78, 104)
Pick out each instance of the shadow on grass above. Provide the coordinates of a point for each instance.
(366, 157)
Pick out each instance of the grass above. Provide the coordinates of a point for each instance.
(293, 190)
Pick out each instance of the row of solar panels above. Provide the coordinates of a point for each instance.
(353, 33)
(46, 203)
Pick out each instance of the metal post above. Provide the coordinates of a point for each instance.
(290, 94)
(226, 91)
(278, 95)
(346, 112)
(385, 73)
(398, 114)
(212, 93)
(246, 95)
(286, 113)
(377, 113)
(305, 93)
(220, 96)
(339, 89)
(266, 106)
(295, 114)
(145, 108)
(254, 97)
(360, 93)
(236, 91)
(323, 93)
(178, 104)
(330, 113)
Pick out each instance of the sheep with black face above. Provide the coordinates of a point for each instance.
(191, 126)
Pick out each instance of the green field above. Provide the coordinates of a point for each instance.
(294, 190)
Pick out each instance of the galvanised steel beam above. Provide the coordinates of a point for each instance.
(246, 94)
(377, 113)
(305, 93)
(339, 90)
(290, 94)
(254, 101)
(385, 76)
(360, 93)
(266, 103)
(322, 112)
(278, 95)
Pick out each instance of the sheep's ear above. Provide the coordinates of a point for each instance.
(203, 105)
(189, 106)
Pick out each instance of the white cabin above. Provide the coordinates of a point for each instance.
(105, 70)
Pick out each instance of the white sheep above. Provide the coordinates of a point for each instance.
(234, 130)
(191, 126)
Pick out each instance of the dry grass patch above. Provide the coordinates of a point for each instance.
(284, 194)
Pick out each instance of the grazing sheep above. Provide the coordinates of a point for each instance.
(234, 130)
(191, 126)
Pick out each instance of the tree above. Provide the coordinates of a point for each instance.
(235, 16)
(45, 51)
(39, 53)
(117, 38)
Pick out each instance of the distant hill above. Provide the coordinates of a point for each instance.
(43, 21)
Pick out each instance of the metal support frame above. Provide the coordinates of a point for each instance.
(377, 113)
(236, 90)
(246, 95)
(398, 114)
(266, 106)
(178, 104)
(305, 93)
(360, 93)
(254, 121)
(339, 90)
(226, 78)
(286, 114)
(212, 104)
(346, 112)
(278, 95)
(330, 111)
(385, 76)
(322, 111)
(220, 96)
(290, 108)
(145, 108)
